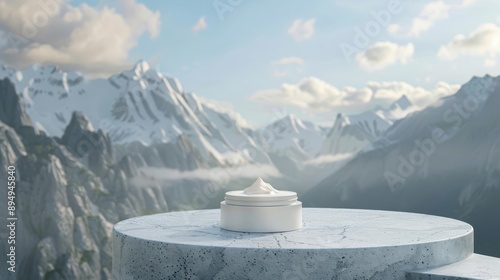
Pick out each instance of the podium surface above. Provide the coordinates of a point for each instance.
(332, 244)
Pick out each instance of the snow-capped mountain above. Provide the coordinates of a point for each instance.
(290, 142)
(137, 105)
(443, 160)
(51, 95)
(290, 133)
(229, 130)
(350, 134)
(399, 109)
(295, 145)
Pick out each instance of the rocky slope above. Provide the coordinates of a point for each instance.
(444, 160)
(69, 192)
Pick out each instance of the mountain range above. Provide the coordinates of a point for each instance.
(92, 152)
(443, 160)
(142, 110)
(138, 105)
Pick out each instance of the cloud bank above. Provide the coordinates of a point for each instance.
(484, 42)
(316, 96)
(95, 40)
(382, 54)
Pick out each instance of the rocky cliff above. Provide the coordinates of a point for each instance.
(69, 193)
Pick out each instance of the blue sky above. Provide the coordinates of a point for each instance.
(238, 55)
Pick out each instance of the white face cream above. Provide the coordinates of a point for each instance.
(260, 187)
(261, 208)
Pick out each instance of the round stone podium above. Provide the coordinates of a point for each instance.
(332, 244)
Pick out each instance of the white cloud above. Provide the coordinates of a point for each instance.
(287, 65)
(280, 73)
(383, 54)
(328, 159)
(289, 60)
(428, 15)
(140, 17)
(233, 173)
(484, 41)
(96, 40)
(388, 92)
(200, 25)
(393, 29)
(302, 29)
(466, 3)
(314, 95)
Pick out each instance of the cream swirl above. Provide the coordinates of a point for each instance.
(260, 187)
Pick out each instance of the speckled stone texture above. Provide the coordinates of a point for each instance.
(473, 268)
(333, 244)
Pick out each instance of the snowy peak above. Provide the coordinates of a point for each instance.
(136, 105)
(137, 71)
(193, 101)
(289, 123)
(290, 135)
(290, 118)
(349, 134)
(352, 133)
(403, 103)
(78, 123)
(141, 67)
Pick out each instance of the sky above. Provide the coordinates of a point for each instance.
(267, 59)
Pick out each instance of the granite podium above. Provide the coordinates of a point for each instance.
(332, 244)
(263, 233)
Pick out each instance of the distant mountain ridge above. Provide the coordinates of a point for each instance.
(137, 105)
(142, 107)
(72, 193)
(290, 142)
(352, 133)
(443, 160)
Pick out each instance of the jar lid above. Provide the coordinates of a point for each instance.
(276, 199)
